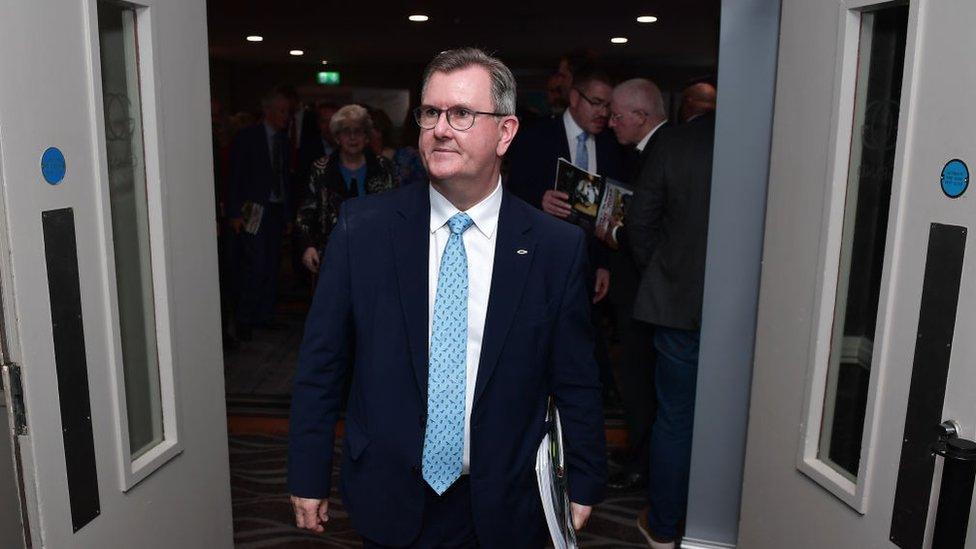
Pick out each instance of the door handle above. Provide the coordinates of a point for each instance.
(956, 491)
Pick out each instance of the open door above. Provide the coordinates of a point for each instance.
(864, 342)
(109, 274)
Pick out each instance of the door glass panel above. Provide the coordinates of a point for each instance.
(130, 222)
(881, 61)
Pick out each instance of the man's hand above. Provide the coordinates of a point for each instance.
(312, 514)
(602, 284)
(237, 224)
(581, 514)
(556, 203)
(311, 259)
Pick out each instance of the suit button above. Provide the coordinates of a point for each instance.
(423, 420)
(415, 469)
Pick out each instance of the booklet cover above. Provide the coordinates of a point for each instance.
(613, 207)
(551, 474)
(585, 191)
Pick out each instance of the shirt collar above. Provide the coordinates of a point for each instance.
(643, 142)
(572, 128)
(484, 213)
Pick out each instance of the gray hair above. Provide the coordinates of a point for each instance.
(350, 114)
(644, 94)
(502, 80)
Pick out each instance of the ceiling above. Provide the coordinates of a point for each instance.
(526, 34)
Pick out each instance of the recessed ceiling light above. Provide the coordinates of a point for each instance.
(418, 18)
(618, 40)
(647, 19)
(325, 62)
(296, 52)
(255, 38)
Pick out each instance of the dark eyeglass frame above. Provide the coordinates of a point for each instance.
(597, 104)
(450, 113)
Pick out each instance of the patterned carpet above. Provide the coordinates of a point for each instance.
(263, 518)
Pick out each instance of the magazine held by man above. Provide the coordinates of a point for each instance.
(551, 473)
(596, 201)
(613, 207)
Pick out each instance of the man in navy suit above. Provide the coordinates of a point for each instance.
(259, 176)
(461, 310)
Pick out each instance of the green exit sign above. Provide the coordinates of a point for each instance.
(329, 78)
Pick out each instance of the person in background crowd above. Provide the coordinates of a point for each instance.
(257, 208)
(239, 121)
(637, 115)
(696, 100)
(554, 95)
(322, 145)
(351, 170)
(409, 166)
(381, 137)
(569, 64)
(668, 228)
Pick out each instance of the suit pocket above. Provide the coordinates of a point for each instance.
(356, 439)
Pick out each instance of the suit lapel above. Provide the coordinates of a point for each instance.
(410, 234)
(514, 253)
(559, 136)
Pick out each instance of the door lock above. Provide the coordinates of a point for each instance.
(956, 492)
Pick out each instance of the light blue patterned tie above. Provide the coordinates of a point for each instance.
(582, 155)
(447, 373)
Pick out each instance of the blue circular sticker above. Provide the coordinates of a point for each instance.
(955, 178)
(53, 166)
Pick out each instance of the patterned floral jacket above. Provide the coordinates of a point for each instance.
(327, 190)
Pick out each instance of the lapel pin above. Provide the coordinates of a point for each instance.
(521, 252)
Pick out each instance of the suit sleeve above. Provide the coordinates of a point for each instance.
(576, 388)
(643, 223)
(323, 360)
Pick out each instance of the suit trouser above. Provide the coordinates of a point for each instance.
(260, 259)
(448, 522)
(635, 377)
(675, 375)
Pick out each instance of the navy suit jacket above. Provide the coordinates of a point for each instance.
(370, 313)
(251, 174)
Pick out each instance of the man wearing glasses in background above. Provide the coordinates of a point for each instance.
(462, 311)
(580, 135)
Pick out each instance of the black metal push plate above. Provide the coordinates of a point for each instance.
(930, 371)
(61, 254)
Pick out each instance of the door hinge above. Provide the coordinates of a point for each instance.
(15, 396)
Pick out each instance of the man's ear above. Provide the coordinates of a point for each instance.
(574, 97)
(507, 130)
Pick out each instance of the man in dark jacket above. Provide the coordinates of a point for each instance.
(668, 226)
(637, 116)
(257, 208)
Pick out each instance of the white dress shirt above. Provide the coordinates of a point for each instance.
(572, 131)
(479, 246)
(643, 142)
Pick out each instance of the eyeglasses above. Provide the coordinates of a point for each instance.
(615, 117)
(459, 118)
(599, 103)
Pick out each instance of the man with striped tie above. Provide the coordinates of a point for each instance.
(449, 385)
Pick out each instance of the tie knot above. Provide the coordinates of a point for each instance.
(459, 223)
(582, 137)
